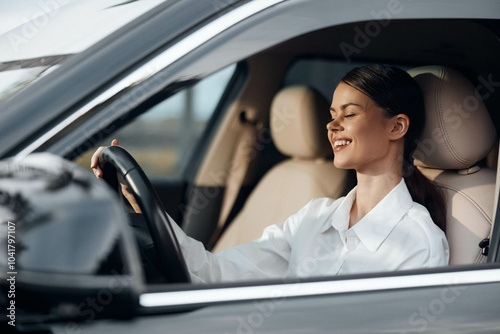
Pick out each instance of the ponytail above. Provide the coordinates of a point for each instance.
(425, 192)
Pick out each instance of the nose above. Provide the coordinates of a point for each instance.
(334, 125)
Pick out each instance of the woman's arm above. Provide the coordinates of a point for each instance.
(266, 257)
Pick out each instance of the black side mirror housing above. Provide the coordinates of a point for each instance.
(71, 252)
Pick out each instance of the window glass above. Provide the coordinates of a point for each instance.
(163, 138)
(322, 74)
(37, 35)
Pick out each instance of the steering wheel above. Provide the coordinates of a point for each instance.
(115, 163)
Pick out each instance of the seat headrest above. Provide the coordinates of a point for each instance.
(458, 130)
(298, 119)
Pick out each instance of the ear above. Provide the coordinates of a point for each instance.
(399, 126)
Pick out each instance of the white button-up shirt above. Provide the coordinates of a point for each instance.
(396, 234)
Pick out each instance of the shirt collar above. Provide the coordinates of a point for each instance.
(339, 219)
(375, 226)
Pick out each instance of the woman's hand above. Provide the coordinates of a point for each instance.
(94, 161)
(94, 164)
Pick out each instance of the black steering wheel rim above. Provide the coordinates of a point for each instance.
(116, 161)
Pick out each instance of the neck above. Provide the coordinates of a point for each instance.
(370, 190)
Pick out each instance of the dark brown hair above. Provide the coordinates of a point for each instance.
(397, 92)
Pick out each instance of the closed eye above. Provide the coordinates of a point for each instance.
(333, 118)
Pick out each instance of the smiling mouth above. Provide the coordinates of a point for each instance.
(341, 143)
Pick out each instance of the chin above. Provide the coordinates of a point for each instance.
(340, 164)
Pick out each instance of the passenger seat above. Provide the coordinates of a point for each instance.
(298, 119)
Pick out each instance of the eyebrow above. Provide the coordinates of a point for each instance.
(342, 107)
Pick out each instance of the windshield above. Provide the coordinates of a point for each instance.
(36, 36)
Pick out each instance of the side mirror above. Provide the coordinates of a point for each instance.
(68, 252)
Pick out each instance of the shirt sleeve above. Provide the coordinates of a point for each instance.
(267, 257)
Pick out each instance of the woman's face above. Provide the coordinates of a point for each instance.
(360, 133)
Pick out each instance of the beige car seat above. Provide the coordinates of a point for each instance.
(298, 119)
(458, 133)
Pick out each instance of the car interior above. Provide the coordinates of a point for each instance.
(265, 153)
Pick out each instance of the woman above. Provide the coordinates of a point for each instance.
(392, 220)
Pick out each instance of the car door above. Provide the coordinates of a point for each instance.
(446, 301)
